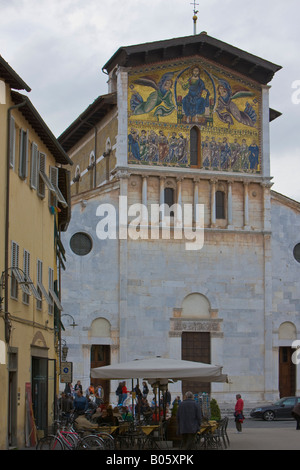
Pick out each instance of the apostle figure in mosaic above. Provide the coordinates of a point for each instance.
(253, 156)
(133, 145)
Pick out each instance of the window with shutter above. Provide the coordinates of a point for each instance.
(40, 287)
(26, 270)
(57, 195)
(14, 264)
(12, 142)
(34, 166)
(39, 282)
(23, 160)
(51, 286)
(43, 179)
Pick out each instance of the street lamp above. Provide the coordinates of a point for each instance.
(64, 350)
(68, 315)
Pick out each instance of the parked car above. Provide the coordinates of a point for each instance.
(281, 409)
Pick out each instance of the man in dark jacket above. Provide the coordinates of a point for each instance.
(188, 420)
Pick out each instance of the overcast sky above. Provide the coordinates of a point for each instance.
(59, 47)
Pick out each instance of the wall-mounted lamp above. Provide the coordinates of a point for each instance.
(64, 350)
(27, 286)
(68, 315)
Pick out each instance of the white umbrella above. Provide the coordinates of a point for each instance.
(159, 368)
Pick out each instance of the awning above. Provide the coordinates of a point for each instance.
(161, 368)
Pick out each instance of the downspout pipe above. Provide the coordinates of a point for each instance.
(7, 213)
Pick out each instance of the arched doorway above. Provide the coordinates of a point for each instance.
(100, 356)
(196, 345)
(287, 369)
(100, 351)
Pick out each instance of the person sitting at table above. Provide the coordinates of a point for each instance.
(111, 418)
(107, 417)
(126, 415)
(168, 413)
(146, 410)
(117, 413)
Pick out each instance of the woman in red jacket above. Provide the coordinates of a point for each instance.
(238, 413)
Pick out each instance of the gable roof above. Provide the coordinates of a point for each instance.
(202, 45)
(41, 128)
(87, 120)
(285, 200)
(11, 77)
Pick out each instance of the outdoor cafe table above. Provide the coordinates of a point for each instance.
(145, 435)
(108, 429)
(140, 436)
(210, 426)
(206, 437)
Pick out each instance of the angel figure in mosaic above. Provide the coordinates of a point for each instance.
(160, 99)
(227, 110)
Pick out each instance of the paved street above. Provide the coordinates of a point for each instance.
(261, 435)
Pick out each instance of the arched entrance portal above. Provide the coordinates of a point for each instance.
(287, 369)
(100, 356)
(196, 345)
(100, 334)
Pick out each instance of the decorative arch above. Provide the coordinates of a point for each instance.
(288, 331)
(100, 327)
(196, 305)
(39, 340)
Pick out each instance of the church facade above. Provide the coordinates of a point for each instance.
(177, 246)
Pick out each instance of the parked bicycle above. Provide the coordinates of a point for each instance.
(69, 439)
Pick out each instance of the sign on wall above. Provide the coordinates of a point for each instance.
(66, 374)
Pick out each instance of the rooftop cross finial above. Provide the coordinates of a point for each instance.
(195, 15)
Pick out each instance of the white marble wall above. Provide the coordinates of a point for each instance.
(139, 287)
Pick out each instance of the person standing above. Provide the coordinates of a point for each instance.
(238, 413)
(188, 420)
(124, 392)
(145, 390)
(99, 394)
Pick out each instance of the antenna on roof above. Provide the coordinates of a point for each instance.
(195, 17)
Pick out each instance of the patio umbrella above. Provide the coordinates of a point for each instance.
(160, 368)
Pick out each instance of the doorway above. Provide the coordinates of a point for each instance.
(40, 392)
(12, 396)
(195, 346)
(100, 356)
(287, 372)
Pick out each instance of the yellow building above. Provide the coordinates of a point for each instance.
(34, 195)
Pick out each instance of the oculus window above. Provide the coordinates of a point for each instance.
(81, 244)
(296, 252)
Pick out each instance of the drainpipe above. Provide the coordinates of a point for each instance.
(6, 265)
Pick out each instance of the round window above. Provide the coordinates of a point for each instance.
(81, 244)
(297, 252)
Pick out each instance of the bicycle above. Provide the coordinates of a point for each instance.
(70, 440)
